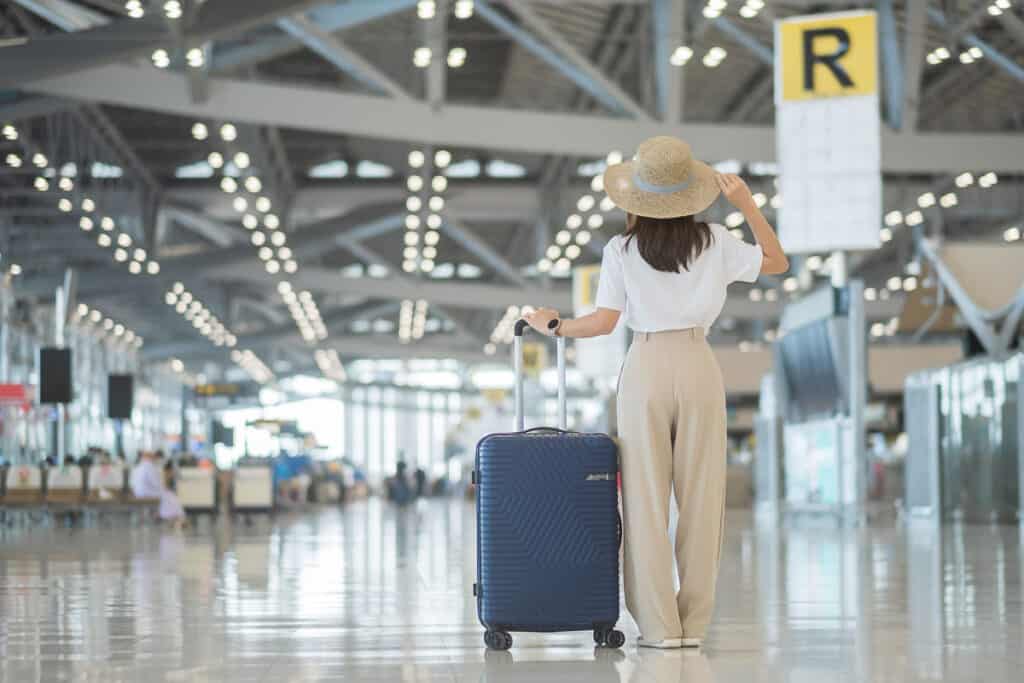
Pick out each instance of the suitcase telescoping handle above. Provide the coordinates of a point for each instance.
(517, 363)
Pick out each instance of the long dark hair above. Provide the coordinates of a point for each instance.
(669, 244)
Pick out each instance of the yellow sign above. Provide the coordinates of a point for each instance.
(535, 358)
(835, 55)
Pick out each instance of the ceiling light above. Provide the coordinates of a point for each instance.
(103, 240)
(215, 159)
(988, 180)
(120, 255)
(64, 205)
(442, 158)
(228, 132)
(416, 158)
(85, 223)
(572, 251)
(272, 267)
(681, 56)
(595, 221)
(271, 221)
(948, 200)
(553, 252)
(463, 9)
(195, 58)
(597, 183)
(885, 234)
(152, 267)
(41, 184)
(107, 223)
(278, 239)
(964, 180)
(161, 59)
(290, 266)
(253, 184)
(66, 184)
(13, 160)
(258, 239)
(895, 283)
(284, 253)
(413, 204)
(582, 237)
(914, 218)
(124, 240)
(563, 237)
(421, 57)
(139, 254)
(433, 221)
(412, 221)
(563, 264)
(242, 160)
(408, 266)
(414, 183)
(200, 131)
(172, 9)
(1011, 234)
(425, 9)
(427, 266)
(410, 253)
(250, 221)
(926, 200)
(431, 238)
(412, 238)
(585, 203)
(10, 132)
(228, 184)
(573, 221)
(263, 204)
(607, 204)
(134, 267)
(439, 183)
(456, 57)
(429, 252)
(893, 218)
(240, 204)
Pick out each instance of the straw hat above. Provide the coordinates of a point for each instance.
(662, 181)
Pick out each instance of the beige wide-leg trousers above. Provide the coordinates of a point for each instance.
(671, 414)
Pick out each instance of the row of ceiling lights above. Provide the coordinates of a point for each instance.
(412, 320)
(270, 242)
(121, 333)
(927, 200)
(252, 365)
(192, 309)
(427, 9)
(711, 59)
(942, 53)
(330, 364)
(568, 243)
(86, 210)
(423, 211)
(304, 312)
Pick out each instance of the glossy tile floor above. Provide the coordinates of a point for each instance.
(370, 593)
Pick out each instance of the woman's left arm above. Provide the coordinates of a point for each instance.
(600, 322)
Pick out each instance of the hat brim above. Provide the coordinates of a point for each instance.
(701, 193)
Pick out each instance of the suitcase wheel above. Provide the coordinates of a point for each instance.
(612, 639)
(497, 640)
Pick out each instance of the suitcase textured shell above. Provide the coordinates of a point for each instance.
(547, 531)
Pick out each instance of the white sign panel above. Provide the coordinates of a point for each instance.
(828, 132)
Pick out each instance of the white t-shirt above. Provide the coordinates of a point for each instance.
(655, 301)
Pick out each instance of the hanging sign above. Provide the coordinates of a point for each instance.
(828, 132)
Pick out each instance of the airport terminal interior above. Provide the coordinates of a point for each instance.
(261, 267)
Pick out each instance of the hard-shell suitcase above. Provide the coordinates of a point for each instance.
(548, 527)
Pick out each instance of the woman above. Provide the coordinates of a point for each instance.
(669, 274)
(147, 481)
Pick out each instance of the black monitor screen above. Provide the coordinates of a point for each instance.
(54, 375)
(119, 397)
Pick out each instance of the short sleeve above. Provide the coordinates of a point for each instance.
(611, 289)
(742, 260)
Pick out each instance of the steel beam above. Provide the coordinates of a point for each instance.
(65, 15)
(753, 45)
(473, 244)
(561, 62)
(892, 68)
(204, 226)
(915, 39)
(521, 131)
(29, 107)
(1007, 64)
(95, 118)
(435, 37)
(340, 55)
(668, 20)
(1013, 24)
(332, 18)
(127, 39)
(534, 22)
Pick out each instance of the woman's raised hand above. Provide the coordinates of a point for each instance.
(735, 190)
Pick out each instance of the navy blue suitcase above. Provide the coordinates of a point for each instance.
(548, 527)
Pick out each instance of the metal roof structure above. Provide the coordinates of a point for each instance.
(326, 102)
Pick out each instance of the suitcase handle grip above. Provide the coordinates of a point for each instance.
(517, 364)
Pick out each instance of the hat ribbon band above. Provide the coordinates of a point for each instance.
(642, 184)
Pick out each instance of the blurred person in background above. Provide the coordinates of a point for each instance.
(147, 481)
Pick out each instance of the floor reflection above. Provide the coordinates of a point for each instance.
(374, 593)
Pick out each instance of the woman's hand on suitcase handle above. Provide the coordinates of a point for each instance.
(540, 320)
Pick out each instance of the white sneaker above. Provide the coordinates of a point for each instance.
(663, 644)
(691, 642)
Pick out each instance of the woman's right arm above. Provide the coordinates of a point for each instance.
(736, 191)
